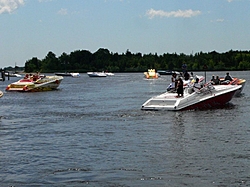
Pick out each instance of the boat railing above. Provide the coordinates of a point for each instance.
(207, 88)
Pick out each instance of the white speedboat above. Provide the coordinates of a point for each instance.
(109, 74)
(8, 74)
(35, 84)
(1, 93)
(67, 74)
(208, 97)
(167, 72)
(75, 74)
(97, 74)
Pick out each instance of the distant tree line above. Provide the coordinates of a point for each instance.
(104, 60)
(13, 69)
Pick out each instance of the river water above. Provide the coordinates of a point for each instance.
(91, 132)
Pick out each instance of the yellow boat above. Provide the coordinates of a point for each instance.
(151, 74)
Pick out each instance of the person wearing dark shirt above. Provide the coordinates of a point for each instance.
(228, 77)
(217, 80)
(180, 88)
(213, 80)
(186, 76)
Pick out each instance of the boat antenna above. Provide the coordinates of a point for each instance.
(205, 68)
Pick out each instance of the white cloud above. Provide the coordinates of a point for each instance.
(235, 0)
(218, 20)
(112, 0)
(10, 5)
(63, 11)
(44, 1)
(179, 13)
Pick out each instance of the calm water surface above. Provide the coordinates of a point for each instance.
(91, 132)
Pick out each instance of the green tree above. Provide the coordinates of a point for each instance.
(33, 65)
(102, 59)
(50, 63)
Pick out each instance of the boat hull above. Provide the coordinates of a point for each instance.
(215, 102)
(47, 83)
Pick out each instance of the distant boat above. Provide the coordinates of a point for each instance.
(167, 72)
(151, 74)
(9, 74)
(75, 74)
(109, 74)
(97, 74)
(67, 74)
(63, 74)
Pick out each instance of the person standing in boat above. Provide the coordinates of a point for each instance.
(186, 75)
(184, 67)
(180, 88)
(174, 81)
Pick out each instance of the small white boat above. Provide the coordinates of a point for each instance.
(1, 93)
(75, 74)
(167, 72)
(97, 74)
(8, 74)
(207, 97)
(109, 74)
(35, 84)
(67, 74)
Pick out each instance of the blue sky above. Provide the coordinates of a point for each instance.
(32, 28)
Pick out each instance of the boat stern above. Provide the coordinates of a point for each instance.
(166, 101)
